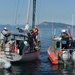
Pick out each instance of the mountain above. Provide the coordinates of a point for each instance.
(44, 24)
(54, 25)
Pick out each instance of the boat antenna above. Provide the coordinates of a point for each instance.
(54, 32)
(34, 12)
(72, 23)
(28, 15)
(52, 27)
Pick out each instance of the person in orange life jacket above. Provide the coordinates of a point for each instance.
(35, 30)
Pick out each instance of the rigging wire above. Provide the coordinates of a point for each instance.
(21, 11)
(16, 18)
(38, 11)
(13, 16)
(28, 15)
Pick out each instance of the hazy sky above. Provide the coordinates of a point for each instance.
(47, 10)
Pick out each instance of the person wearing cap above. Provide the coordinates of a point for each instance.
(64, 34)
(4, 31)
(4, 34)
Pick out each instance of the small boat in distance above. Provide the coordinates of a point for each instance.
(62, 48)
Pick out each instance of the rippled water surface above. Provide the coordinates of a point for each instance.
(42, 65)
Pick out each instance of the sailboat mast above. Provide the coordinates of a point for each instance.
(34, 12)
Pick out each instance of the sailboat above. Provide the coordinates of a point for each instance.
(16, 51)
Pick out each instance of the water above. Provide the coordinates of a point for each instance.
(42, 65)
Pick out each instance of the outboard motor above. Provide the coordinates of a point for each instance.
(65, 55)
(73, 56)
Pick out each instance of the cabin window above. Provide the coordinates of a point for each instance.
(64, 44)
(57, 44)
(63, 41)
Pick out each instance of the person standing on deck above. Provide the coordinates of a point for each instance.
(71, 44)
(31, 39)
(35, 30)
(4, 34)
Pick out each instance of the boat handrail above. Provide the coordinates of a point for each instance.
(67, 49)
